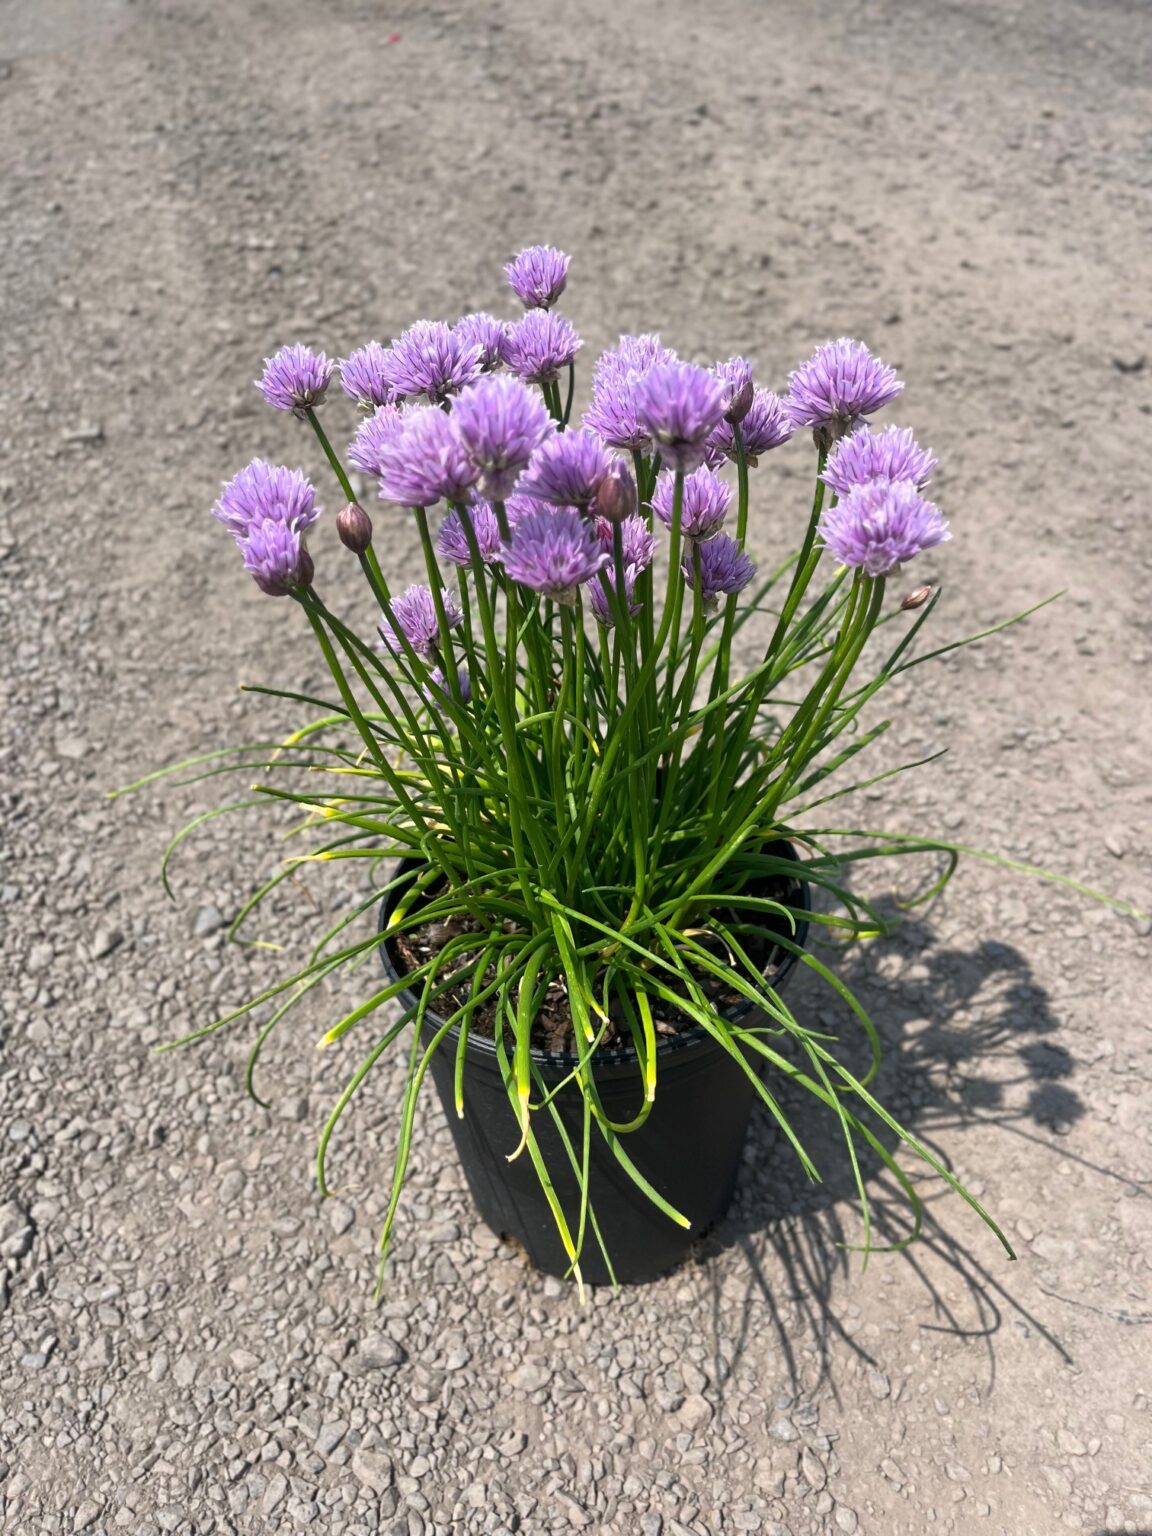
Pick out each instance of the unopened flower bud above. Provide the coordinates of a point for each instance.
(918, 598)
(305, 570)
(740, 403)
(354, 527)
(616, 497)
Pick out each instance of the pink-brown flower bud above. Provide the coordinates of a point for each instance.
(354, 527)
(616, 497)
(740, 403)
(918, 598)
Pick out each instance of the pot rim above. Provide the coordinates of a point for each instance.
(666, 1045)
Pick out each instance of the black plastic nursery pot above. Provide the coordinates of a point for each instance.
(689, 1148)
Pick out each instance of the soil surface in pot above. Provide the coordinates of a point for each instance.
(554, 1032)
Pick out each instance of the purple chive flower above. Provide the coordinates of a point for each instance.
(615, 378)
(425, 461)
(430, 359)
(294, 379)
(880, 525)
(724, 568)
(539, 345)
(453, 541)
(415, 613)
(263, 492)
(893, 454)
(568, 469)
(519, 505)
(679, 406)
(838, 384)
(364, 376)
(636, 542)
(501, 423)
(439, 689)
(373, 434)
(538, 275)
(736, 377)
(487, 334)
(598, 598)
(276, 558)
(765, 425)
(705, 502)
(554, 552)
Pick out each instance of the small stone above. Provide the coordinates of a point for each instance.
(531, 1376)
(651, 1524)
(1131, 362)
(84, 432)
(695, 1412)
(372, 1468)
(846, 1519)
(295, 1108)
(274, 1493)
(956, 1473)
(85, 1514)
(16, 1230)
(341, 1216)
(878, 1385)
(1114, 845)
(377, 1352)
(784, 1430)
(332, 1431)
(171, 1517)
(244, 1360)
(208, 920)
(106, 940)
(1070, 1444)
(812, 1469)
(577, 1514)
(97, 1356)
(72, 748)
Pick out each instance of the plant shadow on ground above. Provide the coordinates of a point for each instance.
(967, 1041)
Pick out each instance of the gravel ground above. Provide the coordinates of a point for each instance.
(187, 1340)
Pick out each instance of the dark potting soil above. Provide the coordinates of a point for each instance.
(554, 1031)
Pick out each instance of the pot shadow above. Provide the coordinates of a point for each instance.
(967, 1041)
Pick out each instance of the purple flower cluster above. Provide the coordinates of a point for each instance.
(431, 359)
(724, 569)
(373, 435)
(538, 275)
(838, 384)
(704, 504)
(539, 345)
(295, 379)
(616, 378)
(679, 406)
(736, 377)
(636, 542)
(453, 542)
(599, 588)
(439, 690)
(487, 334)
(501, 423)
(554, 552)
(880, 525)
(266, 508)
(568, 469)
(263, 492)
(426, 462)
(364, 376)
(415, 615)
(893, 454)
(764, 426)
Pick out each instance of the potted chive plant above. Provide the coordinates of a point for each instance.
(589, 791)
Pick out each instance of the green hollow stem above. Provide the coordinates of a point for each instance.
(330, 455)
(435, 581)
